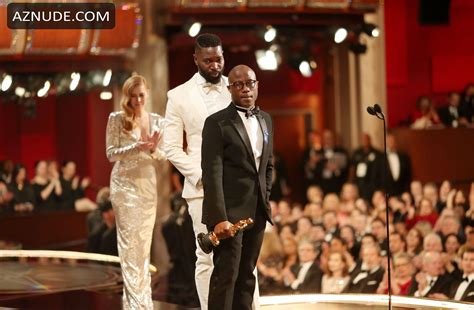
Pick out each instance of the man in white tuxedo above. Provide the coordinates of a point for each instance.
(189, 104)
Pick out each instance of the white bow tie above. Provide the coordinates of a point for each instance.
(209, 86)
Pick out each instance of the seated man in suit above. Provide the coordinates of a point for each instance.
(431, 280)
(367, 275)
(462, 289)
(305, 276)
(103, 239)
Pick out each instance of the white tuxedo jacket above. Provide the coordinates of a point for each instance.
(186, 112)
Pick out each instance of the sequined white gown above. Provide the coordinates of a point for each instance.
(134, 197)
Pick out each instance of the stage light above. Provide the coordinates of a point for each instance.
(269, 59)
(270, 34)
(75, 78)
(371, 30)
(105, 95)
(107, 78)
(194, 29)
(6, 82)
(305, 69)
(20, 91)
(44, 90)
(375, 32)
(307, 66)
(340, 35)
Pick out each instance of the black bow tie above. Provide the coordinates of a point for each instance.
(465, 279)
(249, 112)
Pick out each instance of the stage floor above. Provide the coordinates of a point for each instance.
(74, 280)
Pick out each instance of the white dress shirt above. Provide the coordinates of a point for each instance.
(301, 275)
(214, 95)
(252, 126)
(431, 281)
(394, 163)
(463, 286)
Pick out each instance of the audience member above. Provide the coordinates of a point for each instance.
(304, 276)
(23, 194)
(103, 239)
(73, 195)
(336, 277)
(402, 276)
(368, 273)
(6, 171)
(399, 172)
(431, 279)
(453, 115)
(47, 190)
(328, 166)
(426, 116)
(364, 169)
(467, 104)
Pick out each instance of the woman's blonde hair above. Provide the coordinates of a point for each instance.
(128, 86)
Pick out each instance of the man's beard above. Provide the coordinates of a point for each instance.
(209, 78)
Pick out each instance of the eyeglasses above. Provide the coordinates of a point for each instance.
(239, 85)
(401, 264)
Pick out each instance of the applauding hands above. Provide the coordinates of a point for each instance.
(149, 143)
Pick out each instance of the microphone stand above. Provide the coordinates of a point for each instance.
(377, 111)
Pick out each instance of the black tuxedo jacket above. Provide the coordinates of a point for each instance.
(368, 183)
(442, 285)
(397, 187)
(367, 285)
(233, 188)
(447, 118)
(468, 293)
(312, 281)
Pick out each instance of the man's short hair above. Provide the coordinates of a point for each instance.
(206, 40)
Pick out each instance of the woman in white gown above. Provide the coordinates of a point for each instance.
(132, 140)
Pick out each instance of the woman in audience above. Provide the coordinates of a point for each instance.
(270, 264)
(5, 197)
(336, 277)
(290, 250)
(444, 191)
(451, 259)
(414, 242)
(314, 211)
(303, 228)
(286, 231)
(427, 116)
(23, 193)
(347, 234)
(73, 192)
(284, 214)
(47, 190)
(416, 190)
(426, 213)
(402, 276)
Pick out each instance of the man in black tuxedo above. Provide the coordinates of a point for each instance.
(328, 166)
(432, 280)
(399, 168)
(462, 289)
(453, 115)
(305, 276)
(364, 167)
(367, 275)
(237, 169)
